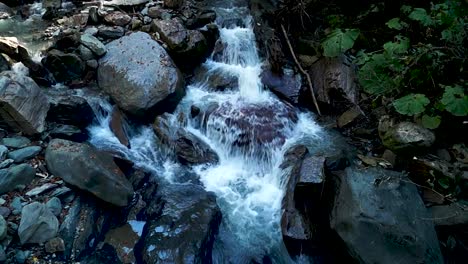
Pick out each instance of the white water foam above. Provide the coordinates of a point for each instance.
(247, 180)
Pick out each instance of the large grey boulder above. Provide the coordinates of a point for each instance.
(23, 106)
(16, 176)
(88, 169)
(38, 224)
(138, 73)
(183, 221)
(381, 218)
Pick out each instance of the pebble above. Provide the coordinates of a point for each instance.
(22, 256)
(2, 201)
(16, 205)
(5, 211)
(55, 245)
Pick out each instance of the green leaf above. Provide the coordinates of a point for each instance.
(339, 41)
(398, 47)
(394, 23)
(431, 122)
(420, 15)
(455, 100)
(412, 104)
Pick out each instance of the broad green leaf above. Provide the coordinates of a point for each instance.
(374, 78)
(398, 47)
(420, 15)
(361, 58)
(412, 104)
(431, 122)
(339, 41)
(455, 100)
(394, 23)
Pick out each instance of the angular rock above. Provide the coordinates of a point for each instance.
(16, 142)
(13, 177)
(85, 53)
(94, 44)
(114, 32)
(23, 106)
(174, 4)
(185, 231)
(451, 215)
(117, 126)
(56, 244)
(118, 18)
(66, 107)
(37, 224)
(65, 67)
(172, 32)
(123, 239)
(377, 213)
(286, 86)
(188, 148)
(23, 154)
(407, 136)
(86, 168)
(41, 189)
(139, 74)
(55, 206)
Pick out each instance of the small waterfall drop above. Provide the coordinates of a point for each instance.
(250, 132)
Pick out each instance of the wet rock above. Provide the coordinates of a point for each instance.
(136, 23)
(286, 86)
(3, 228)
(139, 74)
(5, 11)
(93, 64)
(253, 123)
(185, 231)
(86, 168)
(94, 44)
(118, 18)
(407, 136)
(23, 106)
(188, 148)
(187, 47)
(38, 224)
(201, 19)
(4, 64)
(377, 213)
(16, 205)
(65, 67)
(66, 107)
(16, 142)
(15, 177)
(123, 239)
(110, 32)
(23, 154)
(117, 126)
(56, 244)
(55, 206)
(216, 80)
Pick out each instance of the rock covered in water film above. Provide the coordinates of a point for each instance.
(138, 73)
(251, 124)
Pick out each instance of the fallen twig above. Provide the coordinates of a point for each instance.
(301, 70)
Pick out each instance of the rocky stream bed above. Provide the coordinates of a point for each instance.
(140, 131)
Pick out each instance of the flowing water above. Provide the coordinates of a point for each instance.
(247, 181)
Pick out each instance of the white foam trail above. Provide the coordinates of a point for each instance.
(20, 69)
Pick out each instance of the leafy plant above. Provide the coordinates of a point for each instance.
(339, 41)
(431, 122)
(455, 100)
(411, 104)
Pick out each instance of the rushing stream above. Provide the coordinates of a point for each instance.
(247, 181)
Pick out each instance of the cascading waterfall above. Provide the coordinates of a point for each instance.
(247, 180)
